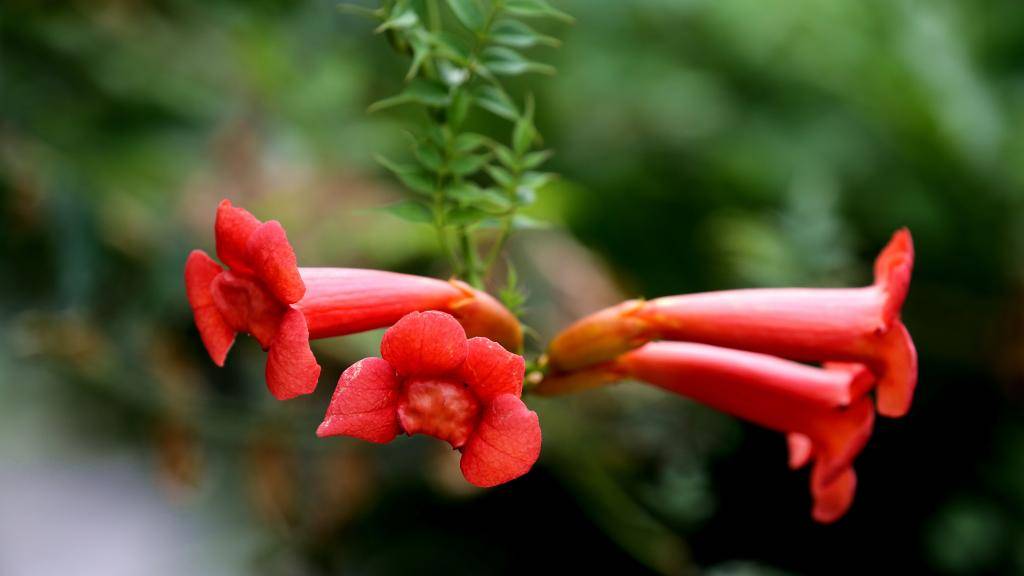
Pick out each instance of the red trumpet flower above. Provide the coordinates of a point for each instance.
(265, 293)
(814, 325)
(256, 294)
(432, 380)
(823, 411)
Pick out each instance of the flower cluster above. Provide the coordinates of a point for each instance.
(734, 350)
(448, 367)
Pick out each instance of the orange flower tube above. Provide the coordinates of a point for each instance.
(813, 325)
(823, 411)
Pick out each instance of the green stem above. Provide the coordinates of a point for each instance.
(472, 270)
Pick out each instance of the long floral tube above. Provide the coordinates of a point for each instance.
(823, 411)
(813, 325)
(261, 291)
(341, 301)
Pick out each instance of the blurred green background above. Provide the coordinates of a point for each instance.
(703, 144)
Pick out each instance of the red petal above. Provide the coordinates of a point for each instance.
(246, 306)
(273, 260)
(898, 365)
(425, 344)
(832, 500)
(217, 335)
(893, 268)
(364, 404)
(505, 445)
(490, 370)
(291, 368)
(800, 450)
(232, 230)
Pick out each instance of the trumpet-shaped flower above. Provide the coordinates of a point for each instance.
(814, 325)
(823, 411)
(264, 293)
(432, 380)
(255, 294)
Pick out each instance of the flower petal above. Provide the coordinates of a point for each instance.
(898, 367)
(232, 229)
(274, 262)
(505, 445)
(893, 269)
(217, 335)
(425, 344)
(833, 499)
(291, 368)
(365, 403)
(246, 306)
(800, 450)
(490, 370)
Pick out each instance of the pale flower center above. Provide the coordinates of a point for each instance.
(440, 408)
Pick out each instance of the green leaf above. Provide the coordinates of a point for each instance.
(524, 132)
(535, 159)
(420, 53)
(419, 91)
(536, 9)
(468, 142)
(450, 47)
(409, 210)
(468, 12)
(412, 176)
(400, 20)
(507, 157)
(497, 102)
(376, 14)
(501, 176)
(507, 62)
(460, 108)
(512, 295)
(487, 199)
(464, 216)
(429, 156)
(467, 165)
(518, 35)
(536, 180)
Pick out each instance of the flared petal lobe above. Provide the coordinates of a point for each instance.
(490, 370)
(291, 367)
(833, 500)
(505, 444)
(365, 403)
(216, 333)
(897, 364)
(273, 261)
(232, 230)
(893, 269)
(425, 344)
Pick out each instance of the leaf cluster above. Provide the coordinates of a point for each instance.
(465, 183)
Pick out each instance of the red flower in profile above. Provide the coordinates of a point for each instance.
(808, 324)
(823, 411)
(432, 380)
(256, 295)
(265, 293)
